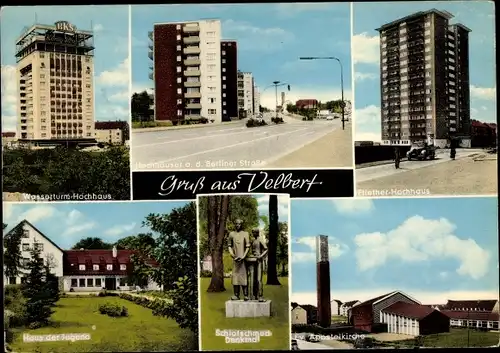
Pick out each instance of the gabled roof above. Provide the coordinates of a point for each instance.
(412, 311)
(378, 299)
(23, 222)
(294, 305)
(337, 301)
(480, 305)
(309, 308)
(350, 303)
(471, 315)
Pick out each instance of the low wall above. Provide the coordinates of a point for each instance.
(368, 154)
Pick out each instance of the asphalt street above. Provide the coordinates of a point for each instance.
(380, 171)
(231, 146)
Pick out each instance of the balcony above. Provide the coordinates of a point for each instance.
(192, 95)
(191, 29)
(190, 84)
(150, 55)
(150, 46)
(192, 117)
(192, 50)
(193, 106)
(151, 35)
(151, 76)
(192, 62)
(191, 40)
(192, 73)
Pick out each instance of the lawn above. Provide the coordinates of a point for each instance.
(213, 316)
(457, 338)
(139, 332)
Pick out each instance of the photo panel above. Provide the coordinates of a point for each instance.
(65, 107)
(111, 277)
(248, 88)
(425, 78)
(395, 273)
(243, 272)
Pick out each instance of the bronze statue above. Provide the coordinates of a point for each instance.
(255, 265)
(239, 245)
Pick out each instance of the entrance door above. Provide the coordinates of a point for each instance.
(110, 283)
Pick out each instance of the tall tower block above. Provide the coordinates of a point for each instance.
(323, 281)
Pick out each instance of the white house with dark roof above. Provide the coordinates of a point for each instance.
(345, 307)
(335, 307)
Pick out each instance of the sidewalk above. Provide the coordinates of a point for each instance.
(193, 126)
(331, 151)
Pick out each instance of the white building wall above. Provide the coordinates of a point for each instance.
(256, 99)
(210, 68)
(400, 325)
(299, 316)
(248, 92)
(94, 286)
(49, 251)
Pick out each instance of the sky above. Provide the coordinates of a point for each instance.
(476, 15)
(433, 249)
(111, 60)
(67, 223)
(271, 38)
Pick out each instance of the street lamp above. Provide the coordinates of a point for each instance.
(341, 79)
(277, 84)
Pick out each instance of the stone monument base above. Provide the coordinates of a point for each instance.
(250, 308)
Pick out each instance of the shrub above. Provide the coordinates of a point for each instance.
(203, 121)
(304, 118)
(15, 303)
(113, 310)
(105, 293)
(205, 273)
(251, 123)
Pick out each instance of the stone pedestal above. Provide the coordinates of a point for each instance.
(251, 308)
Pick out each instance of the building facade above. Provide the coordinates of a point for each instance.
(110, 132)
(55, 84)
(335, 307)
(256, 99)
(229, 79)
(347, 306)
(306, 103)
(299, 316)
(323, 281)
(8, 138)
(486, 321)
(186, 71)
(424, 74)
(245, 93)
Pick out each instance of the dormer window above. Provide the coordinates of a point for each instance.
(81, 267)
(96, 267)
(26, 233)
(109, 267)
(123, 267)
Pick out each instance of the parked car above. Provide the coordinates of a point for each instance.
(329, 117)
(421, 153)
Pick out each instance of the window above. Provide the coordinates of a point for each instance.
(211, 67)
(212, 111)
(109, 267)
(211, 89)
(179, 90)
(123, 267)
(179, 58)
(223, 95)
(90, 282)
(39, 246)
(211, 56)
(179, 101)
(95, 267)
(178, 27)
(223, 78)
(74, 282)
(223, 53)
(179, 69)
(42, 76)
(211, 100)
(224, 103)
(224, 111)
(26, 233)
(26, 247)
(12, 280)
(179, 48)
(179, 113)
(81, 267)
(211, 44)
(223, 86)
(210, 78)
(97, 282)
(223, 69)
(82, 282)
(211, 34)
(178, 37)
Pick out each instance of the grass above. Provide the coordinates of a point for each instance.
(140, 125)
(212, 311)
(139, 332)
(457, 338)
(339, 318)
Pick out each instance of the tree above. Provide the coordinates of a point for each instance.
(176, 245)
(141, 107)
(92, 243)
(4, 226)
(38, 304)
(272, 273)
(217, 213)
(282, 248)
(12, 251)
(139, 241)
(51, 284)
(143, 245)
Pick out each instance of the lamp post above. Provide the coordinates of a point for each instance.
(341, 79)
(277, 84)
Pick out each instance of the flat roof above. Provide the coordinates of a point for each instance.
(185, 22)
(38, 26)
(465, 28)
(443, 13)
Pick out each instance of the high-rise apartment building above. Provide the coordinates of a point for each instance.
(256, 99)
(187, 71)
(55, 84)
(229, 77)
(323, 281)
(245, 92)
(424, 69)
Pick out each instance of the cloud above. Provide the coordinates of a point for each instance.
(367, 120)
(292, 9)
(365, 48)
(425, 297)
(77, 222)
(418, 239)
(323, 94)
(98, 27)
(335, 249)
(362, 76)
(9, 98)
(283, 206)
(120, 229)
(483, 93)
(253, 38)
(368, 136)
(123, 95)
(34, 214)
(78, 228)
(73, 217)
(353, 206)
(119, 76)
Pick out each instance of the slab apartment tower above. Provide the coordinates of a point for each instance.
(323, 281)
(55, 85)
(424, 74)
(186, 71)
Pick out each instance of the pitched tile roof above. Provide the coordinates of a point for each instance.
(351, 303)
(412, 311)
(480, 305)
(25, 222)
(471, 315)
(373, 300)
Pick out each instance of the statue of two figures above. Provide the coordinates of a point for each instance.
(248, 253)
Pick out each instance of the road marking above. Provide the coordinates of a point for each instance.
(228, 146)
(248, 131)
(201, 130)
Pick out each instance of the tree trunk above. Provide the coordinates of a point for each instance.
(218, 207)
(272, 270)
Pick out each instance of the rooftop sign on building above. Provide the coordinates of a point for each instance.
(65, 26)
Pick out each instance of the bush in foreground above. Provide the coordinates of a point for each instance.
(113, 310)
(255, 123)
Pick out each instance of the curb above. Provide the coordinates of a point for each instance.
(194, 126)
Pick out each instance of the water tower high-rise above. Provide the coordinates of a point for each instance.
(323, 281)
